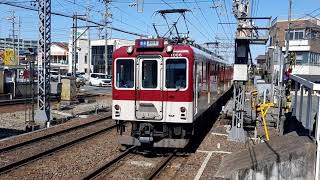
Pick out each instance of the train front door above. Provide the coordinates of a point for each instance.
(149, 88)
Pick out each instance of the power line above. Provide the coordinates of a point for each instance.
(219, 18)
(167, 3)
(228, 20)
(101, 13)
(198, 22)
(80, 18)
(205, 17)
(258, 1)
(208, 39)
(144, 22)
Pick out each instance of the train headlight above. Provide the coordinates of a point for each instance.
(169, 49)
(130, 49)
(117, 107)
(183, 109)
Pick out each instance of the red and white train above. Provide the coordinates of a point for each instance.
(161, 88)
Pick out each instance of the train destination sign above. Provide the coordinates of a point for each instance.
(149, 43)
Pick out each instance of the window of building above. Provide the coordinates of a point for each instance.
(86, 59)
(176, 73)
(149, 74)
(296, 35)
(86, 70)
(125, 73)
(291, 36)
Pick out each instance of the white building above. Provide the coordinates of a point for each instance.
(95, 50)
(60, 56)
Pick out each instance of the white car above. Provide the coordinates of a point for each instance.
(99, 79)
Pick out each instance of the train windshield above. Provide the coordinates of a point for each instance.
(176, 73)
(125, 73)
(149, 74)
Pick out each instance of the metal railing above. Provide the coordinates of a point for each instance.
(306, 84)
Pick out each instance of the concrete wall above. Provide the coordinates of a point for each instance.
(283, 157)
(23, 90)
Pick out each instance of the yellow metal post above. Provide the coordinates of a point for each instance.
(263, 108)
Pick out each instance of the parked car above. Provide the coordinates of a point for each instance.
(80, 80)
(99, 79)
(54, 75)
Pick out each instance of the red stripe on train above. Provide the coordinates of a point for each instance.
(153, 95)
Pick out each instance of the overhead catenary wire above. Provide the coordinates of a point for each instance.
(102, 13)
(199, 23)
(80, 18)
(219, 18)
(205, 17)
(227, 14)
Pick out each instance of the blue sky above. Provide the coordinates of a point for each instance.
(202, 21)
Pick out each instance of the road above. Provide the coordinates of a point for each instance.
(96, 90)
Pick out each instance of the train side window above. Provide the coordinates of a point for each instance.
(149, 74)
(125, 73)
(176, 73)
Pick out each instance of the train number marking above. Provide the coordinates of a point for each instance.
(176, 55)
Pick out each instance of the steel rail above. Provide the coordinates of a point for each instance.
(15, 146)
(156, 171)
(34, 157)
(102, 167)
(14, 101)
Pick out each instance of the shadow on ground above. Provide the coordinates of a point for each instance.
(205, 122)
(6, 132)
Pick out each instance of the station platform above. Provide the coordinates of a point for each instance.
(290, 153)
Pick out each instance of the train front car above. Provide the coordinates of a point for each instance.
(153, 89)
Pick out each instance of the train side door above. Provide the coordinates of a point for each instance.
(149, 87)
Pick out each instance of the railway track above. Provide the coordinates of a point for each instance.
(15, 102)
(17, 155)
(102, 168)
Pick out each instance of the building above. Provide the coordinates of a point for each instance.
(261, 64)
(60, 57)
(304, 42)
(7, 43)
(91, 54)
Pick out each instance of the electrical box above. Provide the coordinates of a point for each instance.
(69, 89)
(240, 72)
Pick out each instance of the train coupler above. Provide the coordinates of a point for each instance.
(120, 127)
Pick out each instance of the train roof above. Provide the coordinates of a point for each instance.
(201, 55)
(158, 45)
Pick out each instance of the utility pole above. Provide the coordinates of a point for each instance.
(246, 34)
(106, 19)
(13, 34)
(74, 44)
(285, 81)
(12, 18)
(19, 31)
(89, 40)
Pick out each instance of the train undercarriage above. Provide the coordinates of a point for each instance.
(146, 134)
